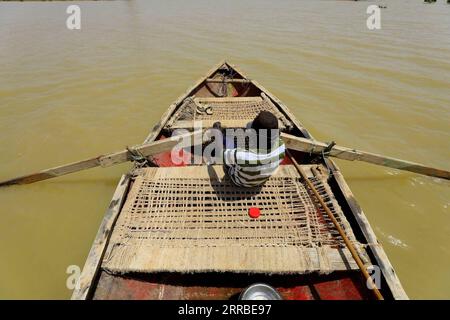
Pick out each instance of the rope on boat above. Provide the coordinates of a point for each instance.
(203, 109)
(223, 89)
(326, 153)
(137, 157)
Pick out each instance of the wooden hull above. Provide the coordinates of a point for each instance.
(97, 283)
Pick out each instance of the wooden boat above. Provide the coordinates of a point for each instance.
(182, 231)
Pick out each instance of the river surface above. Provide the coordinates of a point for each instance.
(66, 95)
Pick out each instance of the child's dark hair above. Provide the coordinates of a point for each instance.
(265, 120)
(264, 124)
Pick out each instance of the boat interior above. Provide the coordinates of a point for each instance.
(183, 230)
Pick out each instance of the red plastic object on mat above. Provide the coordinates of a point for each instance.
(254, 212)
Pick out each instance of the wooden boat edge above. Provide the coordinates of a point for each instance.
(95, 256)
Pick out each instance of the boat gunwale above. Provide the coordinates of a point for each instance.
(84, 287)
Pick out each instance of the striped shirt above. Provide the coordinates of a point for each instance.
(250, 168)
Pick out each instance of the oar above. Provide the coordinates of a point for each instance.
(292, 142)
(108, 160)
(347, 241)
(317, 147)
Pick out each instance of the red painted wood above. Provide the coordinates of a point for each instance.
(164, 159)
(225, 286)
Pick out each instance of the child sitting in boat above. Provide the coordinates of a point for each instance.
(252, 165)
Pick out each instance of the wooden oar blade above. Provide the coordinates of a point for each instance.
(53, 172)
(317, 147)
(27, 179)
(408, 166)
(145, 150)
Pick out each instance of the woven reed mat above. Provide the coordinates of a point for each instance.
(193, 218)
(229, 111)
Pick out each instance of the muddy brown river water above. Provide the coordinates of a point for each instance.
(70, 94)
